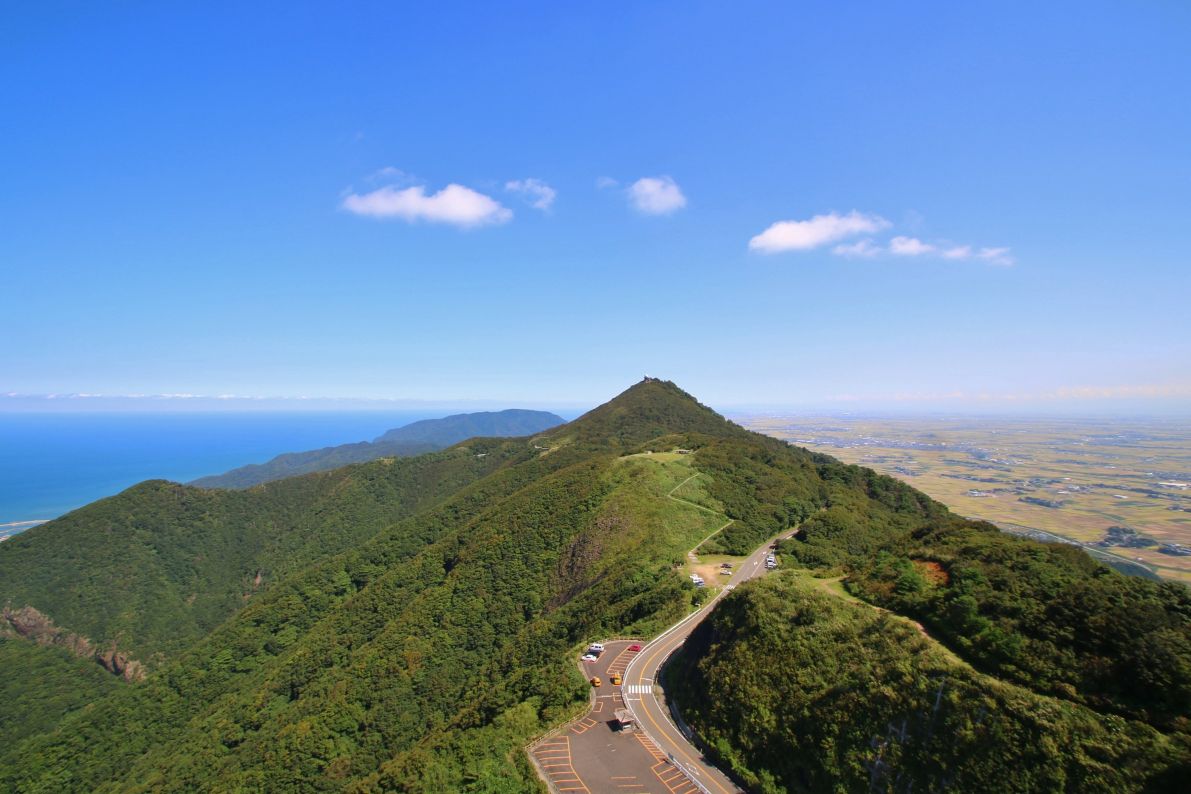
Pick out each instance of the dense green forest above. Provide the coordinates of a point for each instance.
(48, 684)
(1044, 615)
(416, 438)
(423, 656)
(159, 565)
(796, 689)
(416, 618)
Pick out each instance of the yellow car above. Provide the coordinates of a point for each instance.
(596, 681)
(614, 679)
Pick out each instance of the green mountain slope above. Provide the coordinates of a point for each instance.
(156, 567)
(416, 438)
(797, 690)
(407, 655)
(423, 656)
(52, 683)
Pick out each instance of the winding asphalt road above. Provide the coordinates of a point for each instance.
(643, 696)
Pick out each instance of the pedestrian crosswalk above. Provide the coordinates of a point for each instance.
(639, 689)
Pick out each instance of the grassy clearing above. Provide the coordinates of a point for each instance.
(661, 457)
(694, 490)
(675, 524)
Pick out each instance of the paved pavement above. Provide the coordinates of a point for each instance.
(591, 756)
(645, 698)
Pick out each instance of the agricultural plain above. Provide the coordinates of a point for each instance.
(1121, 488)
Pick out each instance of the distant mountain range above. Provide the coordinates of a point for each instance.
(427, 435)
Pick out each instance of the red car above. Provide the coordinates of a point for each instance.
(633, 648)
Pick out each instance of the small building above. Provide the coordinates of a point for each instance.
(624, 720)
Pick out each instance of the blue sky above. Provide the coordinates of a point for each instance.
(981, 204)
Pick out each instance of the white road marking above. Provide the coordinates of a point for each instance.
(640, 689)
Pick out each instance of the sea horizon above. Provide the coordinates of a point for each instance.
(53, 463)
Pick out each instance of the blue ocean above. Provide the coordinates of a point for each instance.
(52, 463)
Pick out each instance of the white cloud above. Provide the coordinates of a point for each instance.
(658, 195)
(388, 173)
(902, 245)
(863, 248)
(996, 256)
(454, 204)
(605, 182)
(909, 246)
(539, 195)
(819, 230)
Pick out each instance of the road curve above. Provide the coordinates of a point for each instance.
(641, 691)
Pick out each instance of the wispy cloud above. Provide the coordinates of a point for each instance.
(656, 195)
(605, 182)
(996, 256)
(815, 232)
(865, 249)
(537, 193)
(912, 246)
(909, 246)
(455, 204)
(832, 227)
(391, 175)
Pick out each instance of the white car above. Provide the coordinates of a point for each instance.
(589, 657)
(595, 647)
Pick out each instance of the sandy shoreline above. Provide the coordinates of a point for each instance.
(14, 528)
(25, 523)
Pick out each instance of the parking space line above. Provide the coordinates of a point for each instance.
(584, 725)
(621, 662)
(554, 759)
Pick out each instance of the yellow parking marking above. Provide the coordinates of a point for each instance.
(554, 759)
(621, 662)
(650, 747)
(584, 725)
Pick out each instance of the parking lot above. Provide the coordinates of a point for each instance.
(591, 755)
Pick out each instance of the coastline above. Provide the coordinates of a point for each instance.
(12, 528)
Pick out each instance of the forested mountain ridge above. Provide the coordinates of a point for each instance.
(447, 633)
(157, 566)
(795, 689)
(449, 430)
(423, 656)
(416, 438)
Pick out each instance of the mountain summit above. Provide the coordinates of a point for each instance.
(649, 409)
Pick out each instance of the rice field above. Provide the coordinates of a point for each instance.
(1074, 478)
